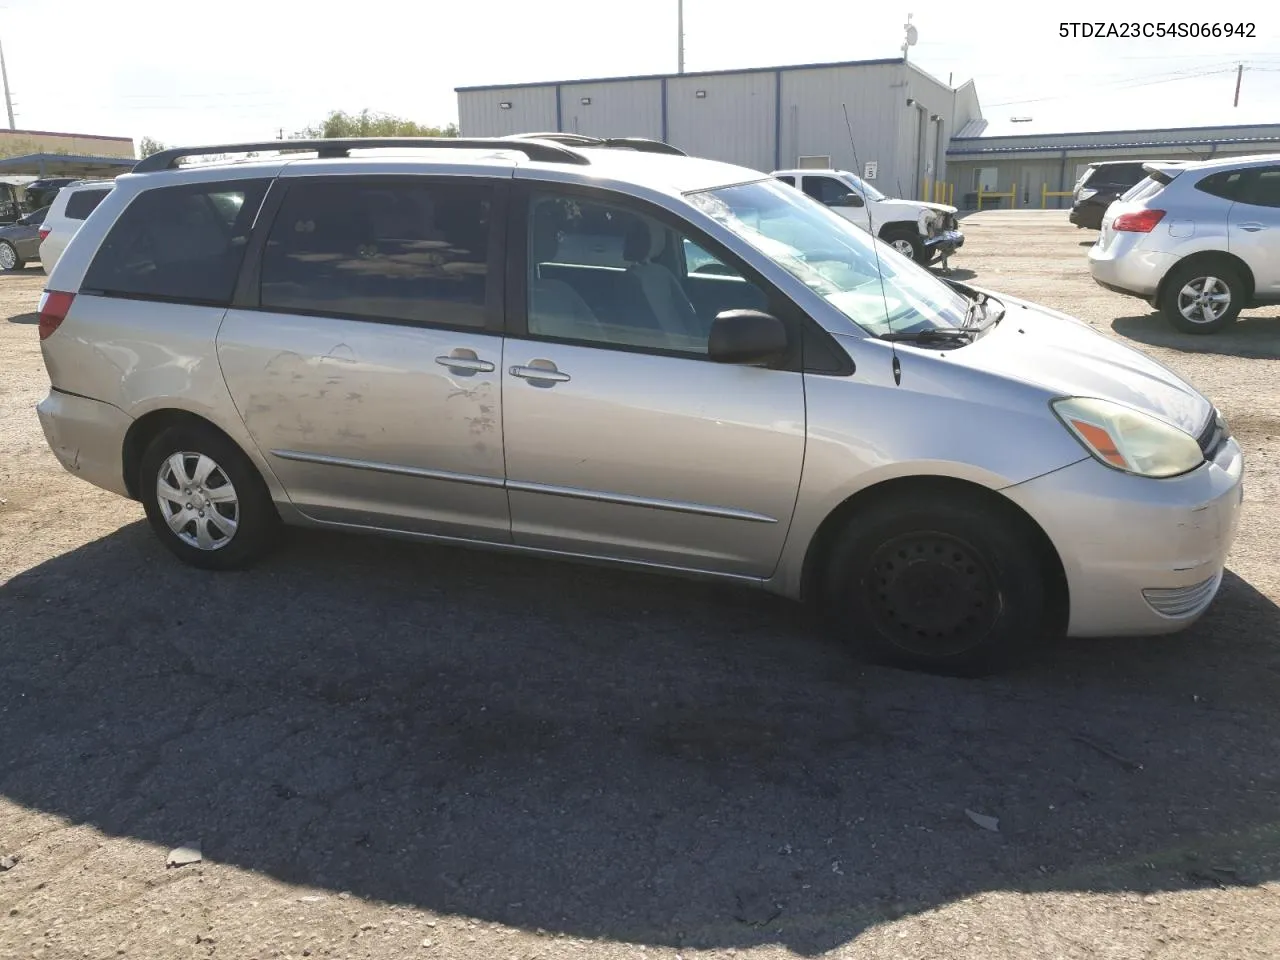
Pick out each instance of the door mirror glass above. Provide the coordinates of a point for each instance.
(851, 200)
(747, 337)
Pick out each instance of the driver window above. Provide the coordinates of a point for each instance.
(827, 190)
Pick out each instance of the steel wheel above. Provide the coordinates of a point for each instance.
(8, 256)
(931, 594)
(1204, 300)
(198, 500)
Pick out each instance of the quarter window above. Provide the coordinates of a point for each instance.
(1225, 185)
(81, 203)
(178, 243)
(411, 252)
(606, 274)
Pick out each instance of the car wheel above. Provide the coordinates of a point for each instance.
(1203, 298)
(908, 245)
(944, 587)
(205, 500)
(9, 259)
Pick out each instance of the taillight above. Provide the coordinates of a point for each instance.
(44, 232)
(1142, 221)
(53, 310)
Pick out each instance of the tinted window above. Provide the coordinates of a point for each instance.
(663, 296)
(826, 190)
(180, 243)
(415, 252)
(1263, 189)
(1225, 185)
(1120, 175)
(81, 203)
(789, 181)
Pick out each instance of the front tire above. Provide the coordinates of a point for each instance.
(9, 259)
(909, 245)
(205, 500)
(946, 587)
(1203, 298)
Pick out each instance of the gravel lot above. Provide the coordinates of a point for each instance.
(393, 750)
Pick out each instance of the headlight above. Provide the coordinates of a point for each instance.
(1086, 194)
(1127, 439)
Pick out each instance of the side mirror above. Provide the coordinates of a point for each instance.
(748, 337)
(851, 200)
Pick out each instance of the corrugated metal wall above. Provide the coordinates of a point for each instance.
(533, 109)
(734, 121)
(619, 108)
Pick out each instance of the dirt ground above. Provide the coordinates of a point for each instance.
(393, 750)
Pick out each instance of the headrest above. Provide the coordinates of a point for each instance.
(644, 241)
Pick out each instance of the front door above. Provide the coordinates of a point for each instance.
(1254, 230)
(368, 372)
(622, 439)
(834, 193)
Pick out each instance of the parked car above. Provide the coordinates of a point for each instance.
(499, 342)
(40, 193)
(1198, 241)
(1100, 185)
(20, 242)
(923, 231)
(70, 207)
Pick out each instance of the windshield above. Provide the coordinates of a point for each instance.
(868, 191)
(834, 258)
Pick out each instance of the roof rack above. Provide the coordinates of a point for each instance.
(534, 149)
(640, 144)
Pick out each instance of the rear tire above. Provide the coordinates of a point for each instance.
(9, 259)
(945, 587)
(1194, 293)
(205, 500)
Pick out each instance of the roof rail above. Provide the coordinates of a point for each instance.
(641, 144)
(341, 147)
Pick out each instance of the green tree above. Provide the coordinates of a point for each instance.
(366, 123)
(149, 145)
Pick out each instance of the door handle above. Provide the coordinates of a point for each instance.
(1253, 227)
(546, 374)
(465, 361)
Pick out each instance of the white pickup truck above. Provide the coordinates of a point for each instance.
(922, 231)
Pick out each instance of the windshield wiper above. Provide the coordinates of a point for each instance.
(933, 335)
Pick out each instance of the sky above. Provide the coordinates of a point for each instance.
(246, 69)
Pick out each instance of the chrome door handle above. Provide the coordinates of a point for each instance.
(547, 374)
(1253, 227)
(469, 364)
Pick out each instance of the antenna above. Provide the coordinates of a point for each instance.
(875, 248)
(911, 35)
(680, 36)
(8, 100)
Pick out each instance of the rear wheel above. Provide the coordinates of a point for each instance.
(1203, 298)
(945, 587)
(9, 259)
(205, 500)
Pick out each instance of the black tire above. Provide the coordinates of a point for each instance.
(901, 239)
(978, 574)
(256, 521)
(8, 250)
(1198, 276)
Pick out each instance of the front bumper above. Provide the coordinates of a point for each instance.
(946, 242)
(87, 437)
(1141, 556)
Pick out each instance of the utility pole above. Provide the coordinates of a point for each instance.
(1239, 75)
(680, 36)
(8, 100)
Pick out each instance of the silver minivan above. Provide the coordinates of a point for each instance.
(610, 351)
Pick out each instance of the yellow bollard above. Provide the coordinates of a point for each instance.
(979, 196)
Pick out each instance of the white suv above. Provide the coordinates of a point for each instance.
(70, 208)
(1198, 241)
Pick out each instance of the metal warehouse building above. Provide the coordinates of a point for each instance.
(765, 118)
(1028, 169)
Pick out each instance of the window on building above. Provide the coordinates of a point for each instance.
(985, 179)
(81, 203)
(381, 251)
(179, 243)
(664, 295)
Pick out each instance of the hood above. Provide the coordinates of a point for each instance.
(1069, 358)
(916, 205)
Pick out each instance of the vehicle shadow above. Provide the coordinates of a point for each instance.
(957, 273)
(25, 318)
(1250, 337)
(615, 755)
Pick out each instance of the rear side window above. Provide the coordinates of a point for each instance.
(81, 203)
(1263, 189)
(1225, 185)
(183, 243)
(788, 180)
(398, 251)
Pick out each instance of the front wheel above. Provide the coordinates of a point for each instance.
(9, 259)
(950, 588)
(1203, 298)
(205, 500)
(909, 245)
